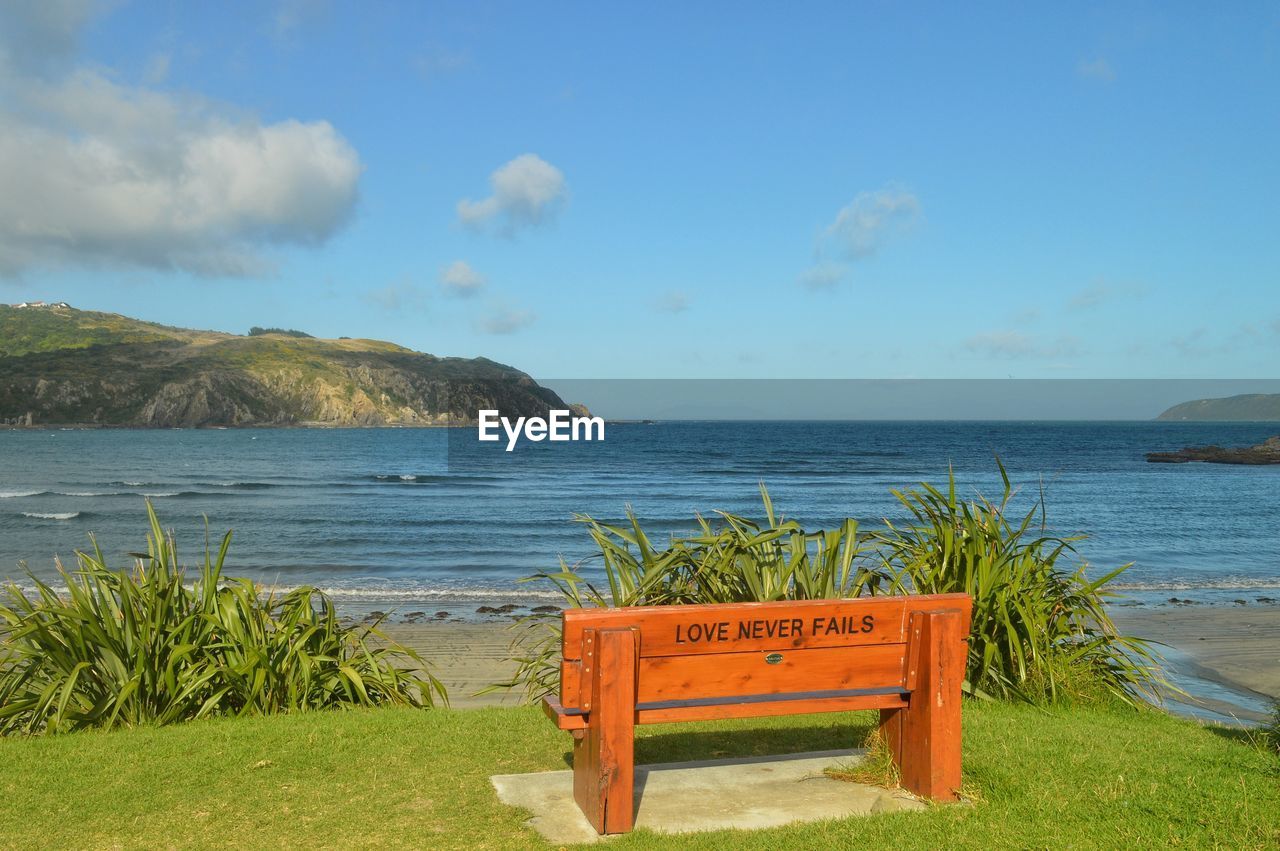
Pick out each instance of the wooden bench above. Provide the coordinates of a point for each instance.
(648, 665)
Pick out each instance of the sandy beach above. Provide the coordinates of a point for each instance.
(466, 657)
(1227, 657)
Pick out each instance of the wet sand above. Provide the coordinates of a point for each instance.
(1228, 654)
(1227, 657)
(465, 656)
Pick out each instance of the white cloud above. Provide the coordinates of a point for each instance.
(672, 301)
(1194, 343)
(1203, 342)
(1096, 69)
(1002, 343)
(861, 228)
(1102, 292)
(458, 278)
(37, 35)
(436, 62)
(526, 191)
(95, 172)
(397, 296)
(1015, 344)
(869, 221)
(157, 70)
(823, 276)
(1090, 297)
(294, 14)
(506, 319)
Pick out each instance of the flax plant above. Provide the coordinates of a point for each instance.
(1040, 631)
(123, 648)
(731, 559)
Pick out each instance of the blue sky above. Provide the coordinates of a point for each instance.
(663, 190)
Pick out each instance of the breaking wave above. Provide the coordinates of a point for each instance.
(248, 486)
(425, 594)
(1230, 583)
(434, 478)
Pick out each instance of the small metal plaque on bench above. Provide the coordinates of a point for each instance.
(773, 658)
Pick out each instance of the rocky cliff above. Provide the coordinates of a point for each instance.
(59, 365)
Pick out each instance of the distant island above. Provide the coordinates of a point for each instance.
(1252, 407)
(63, 366)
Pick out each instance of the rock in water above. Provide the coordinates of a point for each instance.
(1267, 452)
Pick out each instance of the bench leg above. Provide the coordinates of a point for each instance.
(603, 758)
(928, 730)
(891, 733)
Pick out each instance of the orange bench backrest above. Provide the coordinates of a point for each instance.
(738, 649)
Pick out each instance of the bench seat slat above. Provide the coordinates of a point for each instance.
(748, 706)
(756, 698)
(773, 708)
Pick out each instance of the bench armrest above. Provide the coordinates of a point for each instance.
(557, 713)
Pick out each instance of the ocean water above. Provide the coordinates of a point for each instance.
(418, 517)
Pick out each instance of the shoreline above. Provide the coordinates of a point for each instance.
(1227, 658)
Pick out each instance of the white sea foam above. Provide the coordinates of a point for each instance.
(456, 595)
(51, 515)
(1227, 583)
(160, 494)
(359, 596)
(15, 494)
(88, 493)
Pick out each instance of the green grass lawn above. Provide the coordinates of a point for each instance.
(390, 777)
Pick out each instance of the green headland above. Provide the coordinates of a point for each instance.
(63, 366)
(1249, 407)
